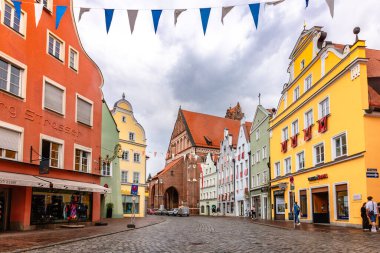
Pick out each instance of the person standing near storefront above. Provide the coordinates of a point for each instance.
(365, 222)
(296, 209)
(371, 208)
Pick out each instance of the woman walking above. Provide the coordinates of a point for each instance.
(365, 222)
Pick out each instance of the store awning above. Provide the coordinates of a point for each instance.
(75, 185)
(9, 178)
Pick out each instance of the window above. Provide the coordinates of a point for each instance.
(82, 160)
(48, 4)
(9, 143)
(10, 78)
(124, 176)
(257, 156)
(308, 82)
(253, 159)
(264, 152)
(288, 168)
(54, 96)
(277, 169)
(319, 152)
(258, 179)
(106, 168)
(296, 93)
(131, 136)
(128, 207)
(136, 157)
(303, 203)
(324, 108)
(84, 111)
(11, 20)
(302, 64)
(257, 134)
(124, 119)
(308, 118)
(73, 57)
(52, 151)
(342, 202)
(136, 176)
(300, 161)
(285, 134)
(56, 47)
(125, 155)
(340, 146)
(295, 127)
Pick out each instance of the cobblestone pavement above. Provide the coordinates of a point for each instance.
(210, 234)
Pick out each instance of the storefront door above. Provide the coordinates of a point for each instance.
(321, 205)
(4, 205)
(258, 206)
(279, 205)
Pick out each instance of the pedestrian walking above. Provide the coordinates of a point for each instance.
(372, 212)
(253, 212)
(296, 209)
(365, 221)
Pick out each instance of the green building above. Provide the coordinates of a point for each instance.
(110, 153)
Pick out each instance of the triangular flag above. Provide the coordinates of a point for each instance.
(177, 12)
(132, 15)
(307, 3)
(255, 10)
(17, 6)
(108, 14)
(38, 7)
(330, 3)
(156, 18)
(60, 10)
(205, 14)
(82, 11)
(225, 11)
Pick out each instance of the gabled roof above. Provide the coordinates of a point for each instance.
(167, 167)
(302, 39)
(208, 130)
(247, 128)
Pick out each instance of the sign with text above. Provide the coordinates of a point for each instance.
(318, 177)
(134, 189)
(372, 175)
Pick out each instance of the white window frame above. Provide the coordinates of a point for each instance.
(76, 109)
(296, 93)
(264, 152)
(139, 160)
(320, 107)
(86, 149)
(257, 134)
(277, 169)
(102, 170)
(61, 151)
(285, 133)
(20, 151)
(298, 161)
(62, 52)
(253, 159)
(122, 156)
(63, 88)
(302, 64)
(315, 153)
(133, 178)
(295, 127)
(49, 5)
(129, 136)
(306, 125)
(121, 177)
(333, 145)
(288, 165)
(306, 87)
(257, 156)
(23, 19)
(10, 60)
(76, 60)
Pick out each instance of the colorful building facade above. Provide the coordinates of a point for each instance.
(50, 118)
(208, 186)
(323, 137)
(133, 158)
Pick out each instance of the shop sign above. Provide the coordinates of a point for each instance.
(134, 189)
(371, 170)
(318, 177)
(282, 186)
(278, 193)
(357, 197)
(372, 174)
(8, 181)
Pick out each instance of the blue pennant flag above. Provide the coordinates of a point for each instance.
(205, 14)
(255, 10)
(156, 14)
(109, 15)
(17, 6)
(60, 10)
(307, 3)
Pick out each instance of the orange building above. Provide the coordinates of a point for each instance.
(50, 120)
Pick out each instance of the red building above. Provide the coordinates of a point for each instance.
(50, 114)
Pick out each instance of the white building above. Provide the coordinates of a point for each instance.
(208, 186)
(242, 204)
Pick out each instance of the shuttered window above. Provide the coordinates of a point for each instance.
(9, 143)
(53, 99)
(84, 111)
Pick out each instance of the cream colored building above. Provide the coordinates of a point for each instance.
(133, 162)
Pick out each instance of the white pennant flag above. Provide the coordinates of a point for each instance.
(177, 12)
(132, 15)
(225, 11)
(38, 7)
(330, 3)
(82, 11)
(275, 2)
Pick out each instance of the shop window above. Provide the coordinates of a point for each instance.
(136, 157)
(84, 111)
(300, 161)
(303, 203)
(56, 47)
(73, 59)
(54, 95)
(340, 146)
(319, 153)
(128, 207)
(132, 136)
(342, 202)
(52, 151)
(125, 155)
(82, 160)
(10, 78)
(11, 20)
(136, 177)
(9, 143)
(124, 176)
(106, 168)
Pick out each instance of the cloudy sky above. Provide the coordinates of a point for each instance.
(179, 66)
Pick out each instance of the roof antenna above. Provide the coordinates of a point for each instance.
(259, 99)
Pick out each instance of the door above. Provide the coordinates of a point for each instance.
(291, 201)
(4, 206)
(320, 205)
(279, 205)
(208, 210)
(258, 207)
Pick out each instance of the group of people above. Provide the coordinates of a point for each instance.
(369, 211)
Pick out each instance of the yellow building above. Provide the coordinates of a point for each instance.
(133, 162)
(325, 134)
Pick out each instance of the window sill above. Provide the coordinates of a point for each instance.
(17, 32)
(73, 69)
(84, 124)
(11, 94)
(55, 57)
(48, 10)
(54, 112)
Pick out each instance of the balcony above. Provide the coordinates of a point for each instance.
(307, 133)
(284, 146)
(322, 124)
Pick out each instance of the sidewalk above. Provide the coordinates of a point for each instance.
(19, 241)
(308, 226)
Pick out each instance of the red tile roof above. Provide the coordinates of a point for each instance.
(374, 92)
(373, 65)
(212, 127)
(168, 167)
(247, 130)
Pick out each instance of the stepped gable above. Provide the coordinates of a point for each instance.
(234, 112)
(208, 130)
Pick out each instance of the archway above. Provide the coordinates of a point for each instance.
(171, 198)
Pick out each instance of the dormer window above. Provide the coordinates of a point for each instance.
(208, 140)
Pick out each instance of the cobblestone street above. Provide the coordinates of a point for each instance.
(217, 234)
